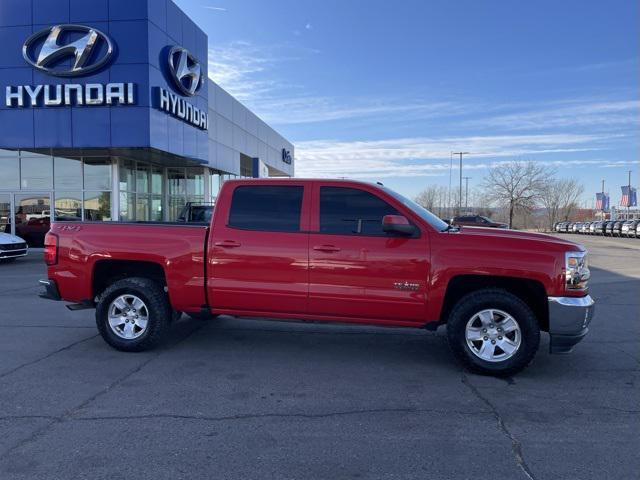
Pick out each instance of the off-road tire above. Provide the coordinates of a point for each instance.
(493, 298)
(160, 313)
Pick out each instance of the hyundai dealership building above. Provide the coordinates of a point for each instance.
(108, 114)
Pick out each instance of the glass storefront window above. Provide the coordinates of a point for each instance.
(195, 181)
(36, 173)
(156, 180)
(32, 217)
(5, 213)
(214, 184)
(68, 206)
(127, 176)
(142, 178)
(156, 209)
(67, 173)
(127, 210)
(176, 204)
(176, 181)
(97, 206)
(97, 173)
(10, 175)
(142, 208)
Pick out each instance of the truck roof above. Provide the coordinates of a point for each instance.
(299, 180)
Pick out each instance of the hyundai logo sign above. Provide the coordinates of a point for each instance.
(286, 156)
(87, 48)
(186, 71)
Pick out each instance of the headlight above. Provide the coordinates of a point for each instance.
(576, 270)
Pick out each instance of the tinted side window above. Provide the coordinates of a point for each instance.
(266, 207)
(349, 211)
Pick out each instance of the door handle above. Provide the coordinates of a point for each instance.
(326, 248)
(227, 244)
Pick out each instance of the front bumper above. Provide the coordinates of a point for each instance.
(13, 253)
(569, 319)
(50, 290)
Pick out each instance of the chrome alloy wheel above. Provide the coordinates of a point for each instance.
(128, 316)
(493, 335)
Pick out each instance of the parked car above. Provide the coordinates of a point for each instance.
(617, 228)
(592, 228)
(610, 225)
(575, 227)
(196, 212)
(628, 228)
(12, 247)
(638, 230)
(476, 221)
(599, 228)
(584, 227)
(342, 251)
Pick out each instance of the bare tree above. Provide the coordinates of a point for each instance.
(434, 199)
(560, 197)
(517, 185)
(572, 191)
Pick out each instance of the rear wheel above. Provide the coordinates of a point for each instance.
(133, 314)
(493, 332)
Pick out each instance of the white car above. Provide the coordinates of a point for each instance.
(12, 247)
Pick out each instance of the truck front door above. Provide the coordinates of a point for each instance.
(358, 271)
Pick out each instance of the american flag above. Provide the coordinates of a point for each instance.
(629, 197)
(602, 201)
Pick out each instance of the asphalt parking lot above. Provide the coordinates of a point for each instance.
(253, 399)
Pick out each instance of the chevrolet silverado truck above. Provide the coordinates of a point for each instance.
(328, 250)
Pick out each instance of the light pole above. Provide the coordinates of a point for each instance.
(466, 193)
(460, 192)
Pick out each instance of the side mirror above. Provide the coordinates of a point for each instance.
(397, 224)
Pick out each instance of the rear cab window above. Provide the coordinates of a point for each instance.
(271, 208)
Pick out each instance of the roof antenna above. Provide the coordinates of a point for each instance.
(380, 183)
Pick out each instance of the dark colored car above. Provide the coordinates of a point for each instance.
(616, 230)
(196, 212)
(477, 221)
(599, 228)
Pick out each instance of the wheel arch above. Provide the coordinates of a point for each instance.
(530, 291)
(106, 272)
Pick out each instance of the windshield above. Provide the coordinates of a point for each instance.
(425, 214)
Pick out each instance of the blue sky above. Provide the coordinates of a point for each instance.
(385, 90)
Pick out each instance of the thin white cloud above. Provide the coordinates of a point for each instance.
(246, 70)
(586, 113)
(422, 156)
(217, 9)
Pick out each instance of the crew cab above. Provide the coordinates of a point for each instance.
(330, 250)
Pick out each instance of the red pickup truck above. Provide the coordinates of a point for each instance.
(331, 250)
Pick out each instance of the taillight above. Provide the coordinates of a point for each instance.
(51, 248)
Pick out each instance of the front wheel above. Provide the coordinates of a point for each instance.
(493, 332)
(133, 314)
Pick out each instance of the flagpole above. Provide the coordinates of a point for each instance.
(602, 199)
(629, 202)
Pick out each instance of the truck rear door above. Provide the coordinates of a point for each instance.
(258, 248)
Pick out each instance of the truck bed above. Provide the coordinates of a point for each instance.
(178, 247)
